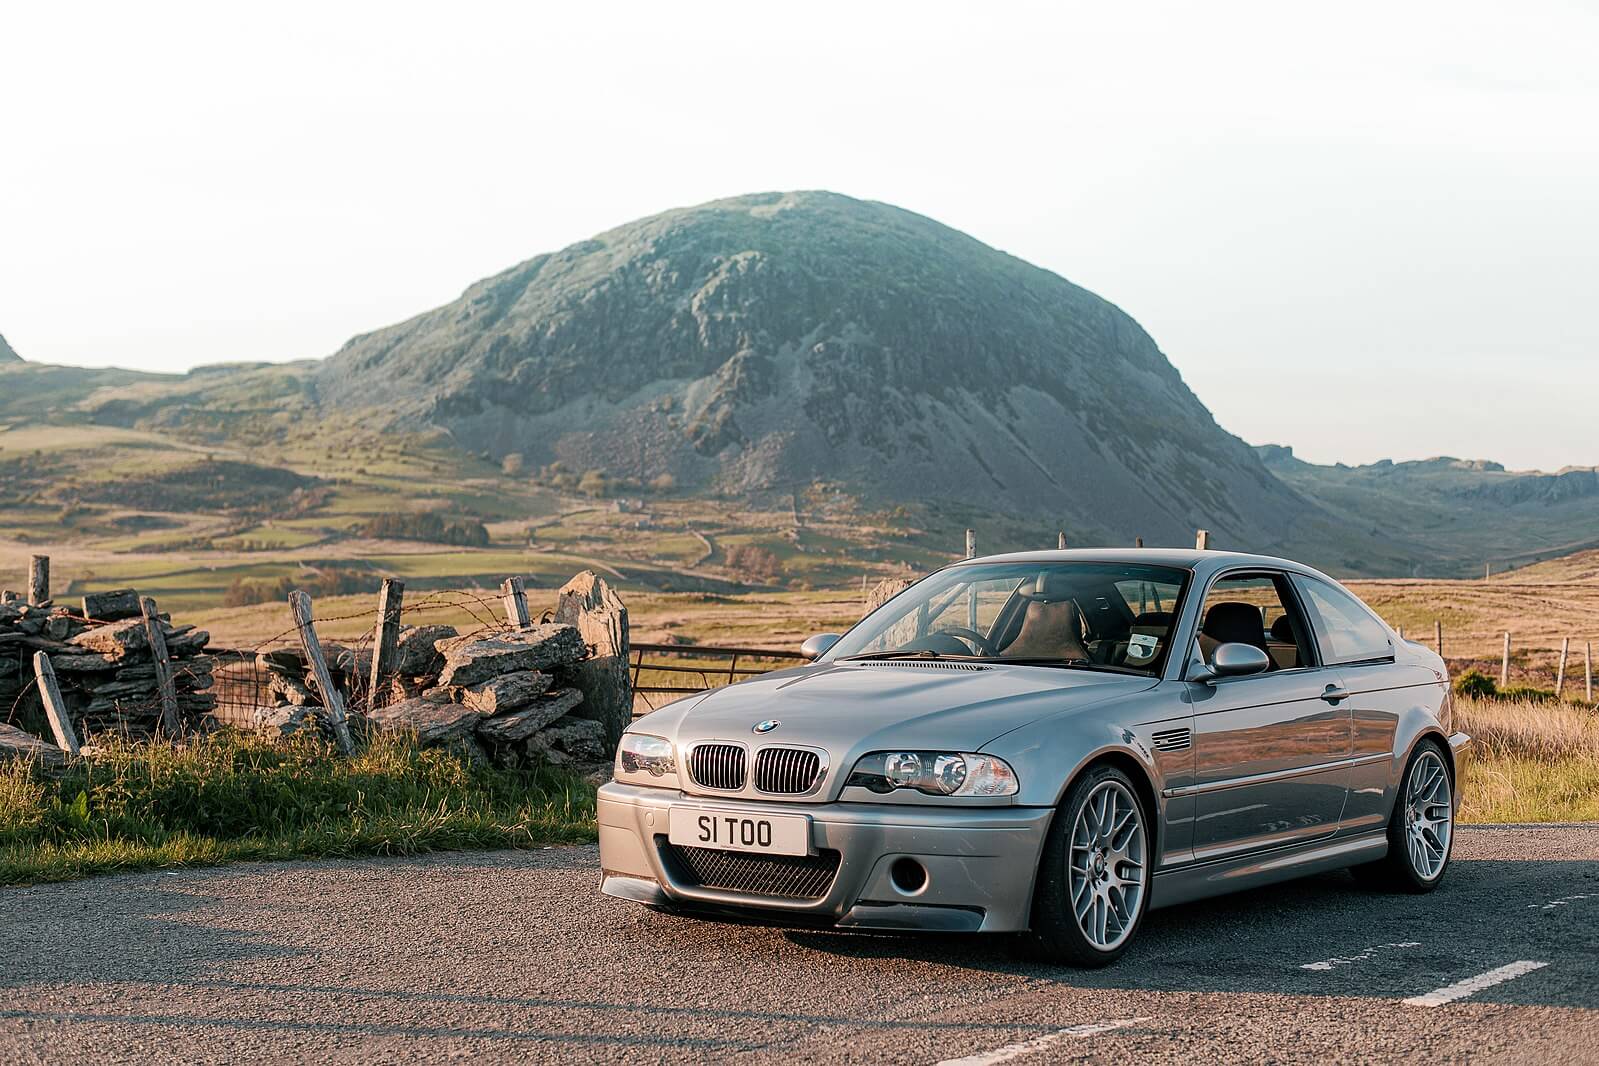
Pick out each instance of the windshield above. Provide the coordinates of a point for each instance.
(1113, 616)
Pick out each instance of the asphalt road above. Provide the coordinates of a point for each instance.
(514, 957)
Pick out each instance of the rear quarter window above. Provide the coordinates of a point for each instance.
(1346, 630)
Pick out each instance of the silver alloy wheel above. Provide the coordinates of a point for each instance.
(1106, 866)
(1429, 816)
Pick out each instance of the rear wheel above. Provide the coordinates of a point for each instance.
(1421, 831)
(1093, 879)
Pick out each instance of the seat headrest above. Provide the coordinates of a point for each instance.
(1154, 619)
(1050, 586)
(1283, 631)
(1231, 622)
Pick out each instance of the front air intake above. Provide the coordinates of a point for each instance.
(717, 766)
(786, 771)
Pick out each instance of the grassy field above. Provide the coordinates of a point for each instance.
(231, 798)
(1529, 762)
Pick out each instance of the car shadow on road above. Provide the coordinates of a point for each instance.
(1322, 935)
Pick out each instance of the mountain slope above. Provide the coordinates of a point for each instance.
(767, 342)
(8, 354)
(1454, 515)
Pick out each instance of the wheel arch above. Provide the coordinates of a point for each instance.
(1127, 761)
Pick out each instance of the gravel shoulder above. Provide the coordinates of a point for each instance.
(515, 957)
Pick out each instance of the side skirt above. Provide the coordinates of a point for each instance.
(1252, 871)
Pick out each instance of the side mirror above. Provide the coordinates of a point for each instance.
(1233, 660)
(818, 646)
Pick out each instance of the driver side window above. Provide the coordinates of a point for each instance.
(1253, 609)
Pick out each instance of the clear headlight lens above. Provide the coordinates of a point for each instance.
(646, 756)
(937, 773)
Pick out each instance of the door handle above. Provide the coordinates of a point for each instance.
(1334, 693)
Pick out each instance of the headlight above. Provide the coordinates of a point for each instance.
(647, 759)
(937, 773)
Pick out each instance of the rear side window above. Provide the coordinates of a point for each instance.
(1346, 632)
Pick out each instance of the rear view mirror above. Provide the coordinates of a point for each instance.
(818, 646)
(1233, 660)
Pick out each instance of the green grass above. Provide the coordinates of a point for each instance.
(231, 797)
(1529, 761)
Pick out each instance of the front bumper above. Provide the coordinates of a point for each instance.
(980, 862)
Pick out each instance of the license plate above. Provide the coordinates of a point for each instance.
(768, 834)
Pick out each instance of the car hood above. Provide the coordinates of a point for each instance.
(849, 708)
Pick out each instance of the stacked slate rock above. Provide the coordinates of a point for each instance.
(505, 695)
(102, 663)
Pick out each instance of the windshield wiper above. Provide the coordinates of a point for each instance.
(927, 654)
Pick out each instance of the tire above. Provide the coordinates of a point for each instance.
(1418, 850)
(1112, 873)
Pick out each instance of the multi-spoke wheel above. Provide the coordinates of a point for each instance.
(1422, 827)
(1094, 877)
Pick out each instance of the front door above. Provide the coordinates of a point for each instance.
(1270, 749)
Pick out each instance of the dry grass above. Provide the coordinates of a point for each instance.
(1529, 762)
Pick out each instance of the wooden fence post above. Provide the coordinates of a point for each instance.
(515, 602)
(55, 708)
(300, 604)
(1504, 664)
(1060, 540)
(163, 667)
(1438, 635)
(1138, 542)
(971, 544)
(1202, 539)
(1560, 671)
(385, 640)
(39, 579)
(7, 596)
(1401, 631)
(1587, 668)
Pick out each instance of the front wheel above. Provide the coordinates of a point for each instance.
(1421, 830)
(1093, 879)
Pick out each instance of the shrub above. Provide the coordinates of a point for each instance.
(1527, 694)
(244, 593)
(427, 526)
(1476, 684)
(753, 562)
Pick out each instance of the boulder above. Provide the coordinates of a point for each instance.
(472, 660)
(433, 723)
(587, 603)
(416, 653)
(118, 640)
(281, 722)
(186, 644)
(111, 606)
(292, 690)
(508, 692)
(281, 661)
(570, 739)
(519, 725)
(17, 744)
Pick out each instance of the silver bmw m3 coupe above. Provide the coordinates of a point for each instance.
(1050, 744)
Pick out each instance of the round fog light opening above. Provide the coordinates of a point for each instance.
(908, 875)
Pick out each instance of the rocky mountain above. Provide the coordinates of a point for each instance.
(1450, 515)
(763, 343)
(8, 354)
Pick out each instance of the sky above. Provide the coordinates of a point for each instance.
(1364, 230)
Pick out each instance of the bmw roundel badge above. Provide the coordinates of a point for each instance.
(767, 726)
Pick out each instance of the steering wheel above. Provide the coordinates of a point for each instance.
(972, 637)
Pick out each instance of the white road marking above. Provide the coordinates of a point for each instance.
(1028, 1047)
(1473, 985)
(1561, 902)
(1349, 960)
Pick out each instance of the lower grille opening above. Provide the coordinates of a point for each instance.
(780, 876)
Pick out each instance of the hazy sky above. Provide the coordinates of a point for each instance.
(1363, 230)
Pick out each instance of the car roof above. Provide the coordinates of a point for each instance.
(1187, 558)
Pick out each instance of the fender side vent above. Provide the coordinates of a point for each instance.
(1173, 739)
